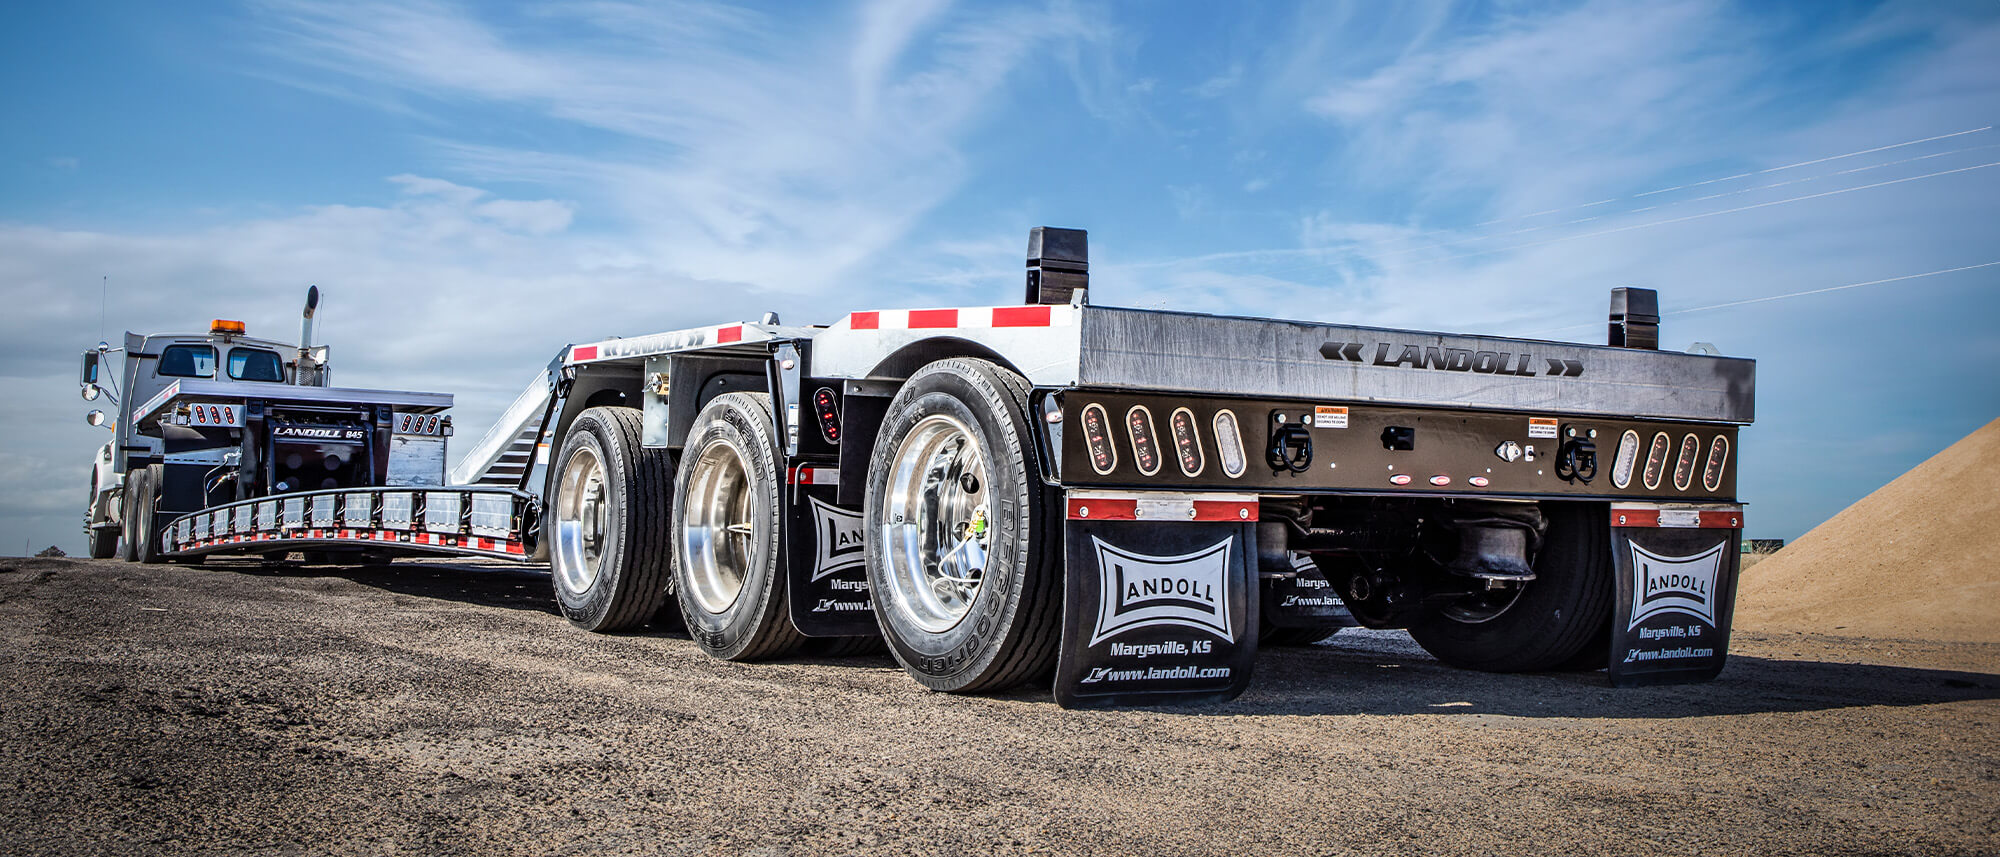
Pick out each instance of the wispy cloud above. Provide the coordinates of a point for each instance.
(744, 147)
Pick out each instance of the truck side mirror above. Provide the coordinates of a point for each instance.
(95, 417)
(90, 368)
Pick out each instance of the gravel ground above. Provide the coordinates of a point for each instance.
(444, 709)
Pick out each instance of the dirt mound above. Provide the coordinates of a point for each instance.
(1917, 559)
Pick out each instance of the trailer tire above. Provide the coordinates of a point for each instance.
(1557, 613)
(146, 530)
(952, 420)
(609, 514)
(729, 533)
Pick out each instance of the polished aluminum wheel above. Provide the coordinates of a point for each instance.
(722, 530)
(934, 525)
(580, 520)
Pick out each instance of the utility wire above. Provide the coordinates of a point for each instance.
(1735, 210)
(1402, 251)
(1787, 295)
(1830, 289)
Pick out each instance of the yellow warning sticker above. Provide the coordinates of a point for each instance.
(1332, 416)
(1541, 427)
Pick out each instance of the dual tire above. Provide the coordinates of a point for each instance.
(1556, 619)
(636, 538)
(141, 531)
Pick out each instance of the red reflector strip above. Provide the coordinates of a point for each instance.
(732, 333)
(864, 320)
(1102, 509)
(928, 318)
(806, 474)
(1652, 516)
(1163, 509)
(582, 353)
(1224, 510)
(1021, 316)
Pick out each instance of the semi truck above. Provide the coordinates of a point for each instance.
(208, 421)
(1125, 503)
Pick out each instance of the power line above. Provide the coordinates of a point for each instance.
(1673, 220)
(1787, 295)
(1829, 289)
(1402, 251)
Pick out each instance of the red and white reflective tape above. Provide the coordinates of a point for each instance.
(1154, 506)
(1039, 315)
(700, 337)
(812, 474)
(1715, 517)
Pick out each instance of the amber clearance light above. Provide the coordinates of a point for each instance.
(226, 327)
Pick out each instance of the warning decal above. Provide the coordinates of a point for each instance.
(1541, 427)
(1331, 416)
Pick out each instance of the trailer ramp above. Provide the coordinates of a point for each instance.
(501, 456)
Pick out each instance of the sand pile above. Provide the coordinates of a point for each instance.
(1917, 559)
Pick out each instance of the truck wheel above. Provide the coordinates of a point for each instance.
(128, 542)
(608, 522)
(103, 540)
(145, 526)
(728, 533)
(1548, 620)
(963, 543)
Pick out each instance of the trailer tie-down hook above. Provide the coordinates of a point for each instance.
(1577, 460)
(1291, 449)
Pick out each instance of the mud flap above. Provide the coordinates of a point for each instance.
(826, 578)
(1676, 566)
(1304, 600)
(1160, 604)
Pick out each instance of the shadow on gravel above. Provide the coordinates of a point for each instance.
(1329, 680)
(1352, 674)
(496, 584)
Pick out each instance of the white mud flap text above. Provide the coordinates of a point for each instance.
(1160, 605)
(1677, 568)
(826, 578)
(1305, 600)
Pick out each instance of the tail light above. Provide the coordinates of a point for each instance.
(1229, 444)
(1628, 456)
(1718, 458)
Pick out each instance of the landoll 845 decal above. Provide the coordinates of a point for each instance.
(1685, 584)
(1141, 591)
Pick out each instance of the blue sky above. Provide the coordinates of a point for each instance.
(476, 185)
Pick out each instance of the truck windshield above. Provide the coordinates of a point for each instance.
(188, 361)
(255, 364)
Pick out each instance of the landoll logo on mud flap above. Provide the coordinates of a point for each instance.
(1685, 584)
(839, 545)
(1140, 591)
